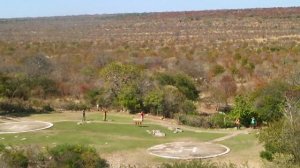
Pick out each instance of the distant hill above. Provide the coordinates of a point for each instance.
(252, 46)
(200, 25)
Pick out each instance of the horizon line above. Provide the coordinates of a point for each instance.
(146, 12)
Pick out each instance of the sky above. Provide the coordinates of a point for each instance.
(40, 8)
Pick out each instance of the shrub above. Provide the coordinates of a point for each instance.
(243, 109)
(153, 102)
(194, 120)
(188, 107)
(76, 106)
(129, 98)
(79, 156)
(222, 121)
(198, 164)
(15, 158)
(76, 156)
(16, 108)
(173, 100)
(269, 101)
(218, 69)
(266, 155)
(94, 95)
(182, 82)
(47, 108)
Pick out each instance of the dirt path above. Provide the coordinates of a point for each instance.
(236, 133)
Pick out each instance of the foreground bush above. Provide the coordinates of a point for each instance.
(72, 156)
(197, 164)
(76, 156)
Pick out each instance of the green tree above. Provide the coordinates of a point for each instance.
(173, 100)
(118, 75)
(269, 101)
(182, 82)
(153, 101)
(130, 98)
(188, 107)
(283, 136)
(243, 109)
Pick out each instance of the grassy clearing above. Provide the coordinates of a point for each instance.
(107, 137)
(120, 141)
(244, 149)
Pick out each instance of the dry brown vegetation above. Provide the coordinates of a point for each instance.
(249, 47)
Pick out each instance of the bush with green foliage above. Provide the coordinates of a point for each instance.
(153, 102)
(129, 97)
(93, 96)
(222, 121)
(14, 158)
(76, 106)
(243, 109)
(283, 136)
(266, 155)
(269, 101)
(118, 75)
(198, 164)
(23, 87)
(47, 108)
(172, 102)
(16, 108)
(79, 156)
(194, 120)
(217, 69)
(183, 82)
(188, 107)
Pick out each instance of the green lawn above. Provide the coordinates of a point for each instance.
(120, 138)
(106, 137)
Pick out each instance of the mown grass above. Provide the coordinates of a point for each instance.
(106, 137)
(240, 142)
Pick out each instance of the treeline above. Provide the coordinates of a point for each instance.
(135, 89)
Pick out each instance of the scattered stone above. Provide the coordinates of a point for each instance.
(2, 138)
(106, 143)
(158, 133)
(148, 131)
(23, 139)
(177, 130)
(16, 136)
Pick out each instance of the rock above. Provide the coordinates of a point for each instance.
(158, 133)
(177, 130)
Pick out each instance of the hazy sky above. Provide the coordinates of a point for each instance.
(35, 8)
